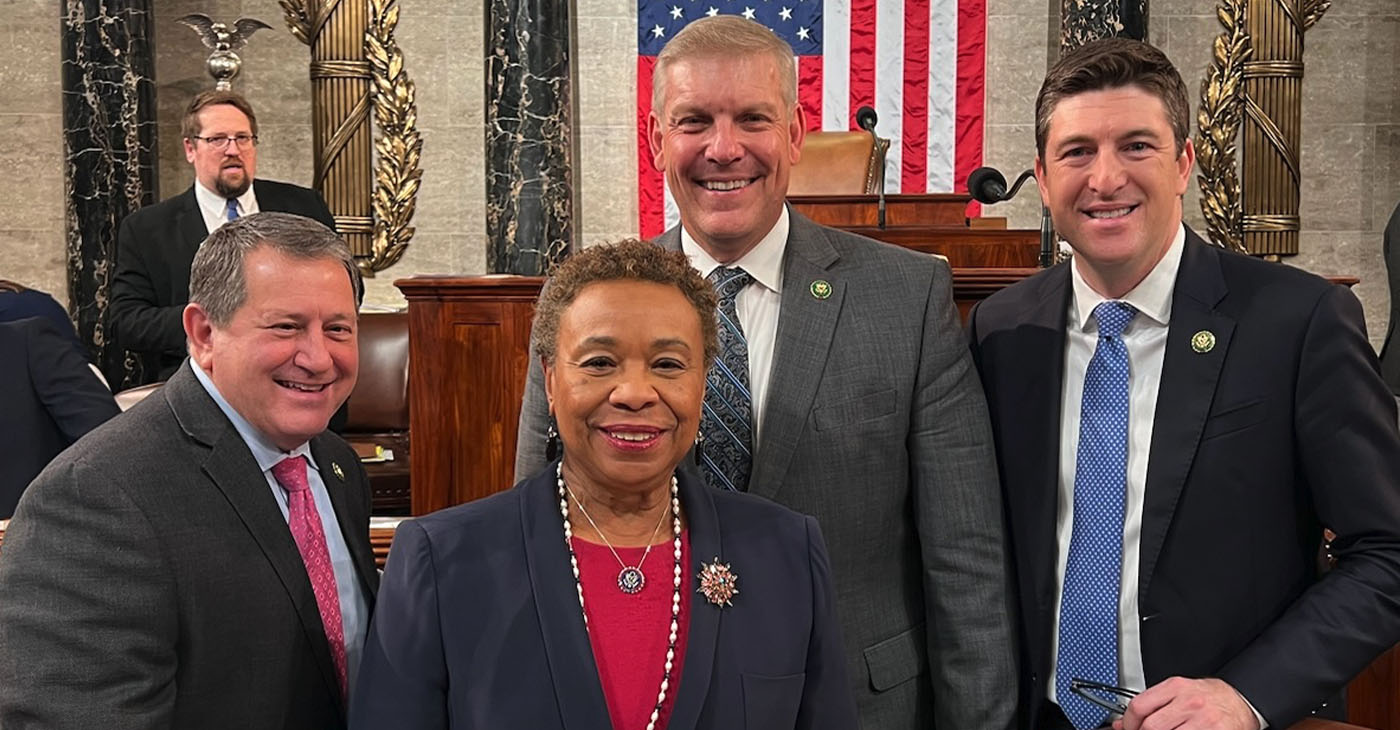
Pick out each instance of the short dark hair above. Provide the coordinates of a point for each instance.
(189, 125)
(627, 260)
(1110, 63)
(218, 281)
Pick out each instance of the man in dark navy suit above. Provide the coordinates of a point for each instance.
(1176, 424)
(156, 245)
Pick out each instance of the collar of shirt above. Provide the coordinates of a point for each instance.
(264, 452)
(764, 262)
(1151, 297)
(215, 207)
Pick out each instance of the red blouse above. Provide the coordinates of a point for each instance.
(630, 633)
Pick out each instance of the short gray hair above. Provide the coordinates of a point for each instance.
(218, 282)
(724, 36)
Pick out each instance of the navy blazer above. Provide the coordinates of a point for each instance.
(49, 398)
(478, 622)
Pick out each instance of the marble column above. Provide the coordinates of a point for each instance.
(109, 130)
(1082, 21)
(530, 149)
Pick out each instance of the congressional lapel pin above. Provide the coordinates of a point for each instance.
(1203, 341)
(821, 289)
(718, 583)
(338, 473)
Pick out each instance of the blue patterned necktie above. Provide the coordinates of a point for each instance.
(232, 208)
(727, 418)
(1093, 572)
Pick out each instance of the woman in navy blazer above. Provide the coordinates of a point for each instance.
(505, 613)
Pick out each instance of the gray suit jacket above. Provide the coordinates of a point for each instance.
(149, 580)
(876, 425)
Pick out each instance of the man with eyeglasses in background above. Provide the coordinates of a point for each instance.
(156, 244)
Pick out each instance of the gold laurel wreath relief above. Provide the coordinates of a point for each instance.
(1313, 10)
(1218, 123)
(398, 147)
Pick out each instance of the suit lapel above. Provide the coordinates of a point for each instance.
(1039, 392)
(806, 327)
(352, 521)
(1187, 389)
(703, 629)
(230, 466)
(572, 669)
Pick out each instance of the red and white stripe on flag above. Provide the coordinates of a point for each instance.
(919, 63)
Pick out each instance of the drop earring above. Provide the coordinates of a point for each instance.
(552, 445)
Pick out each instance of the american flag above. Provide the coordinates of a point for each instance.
(918, 63)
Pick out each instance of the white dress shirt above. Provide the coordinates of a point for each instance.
(1145, 339)
(214, 207)
(354, 608)
(757, 305)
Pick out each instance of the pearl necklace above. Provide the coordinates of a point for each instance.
(675, 597)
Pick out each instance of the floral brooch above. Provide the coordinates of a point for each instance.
(718, 583)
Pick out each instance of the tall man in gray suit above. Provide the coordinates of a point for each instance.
(844, 392)
(203, 560)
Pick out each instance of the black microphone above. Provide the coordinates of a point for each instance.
(987, 185)
(866, 119)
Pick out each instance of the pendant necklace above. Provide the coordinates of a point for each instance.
(630, 579)
(564, 494)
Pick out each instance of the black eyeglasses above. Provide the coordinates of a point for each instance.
(220, 142)
(1106, 696)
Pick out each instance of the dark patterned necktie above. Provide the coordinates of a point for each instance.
(1094, 568)
(727, 419)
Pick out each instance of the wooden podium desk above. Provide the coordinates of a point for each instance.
(932, 223)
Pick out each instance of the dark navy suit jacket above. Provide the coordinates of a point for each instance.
(49, 398)
(478, 622)
(1281, 428)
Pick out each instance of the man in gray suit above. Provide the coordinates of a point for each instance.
(203, 560)
(859, 406)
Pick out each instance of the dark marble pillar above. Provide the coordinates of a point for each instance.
(1082, 21)
(530, 151)
(109, 130)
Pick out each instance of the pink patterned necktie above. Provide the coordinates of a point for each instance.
(305, 523)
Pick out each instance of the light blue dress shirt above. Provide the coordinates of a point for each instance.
(354, 611)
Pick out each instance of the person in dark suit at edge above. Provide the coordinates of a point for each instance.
(1175, 425)
(203, 560)
(51, 397)
(846, 391)
(156, 244)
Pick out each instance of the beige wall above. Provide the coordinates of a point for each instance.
(31, 146)
(1351, 123)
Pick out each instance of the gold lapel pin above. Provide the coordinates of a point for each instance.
(338, 473)
(1203, 341)
(718, 583)
(821, 289)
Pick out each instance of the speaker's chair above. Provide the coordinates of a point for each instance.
(839, 163)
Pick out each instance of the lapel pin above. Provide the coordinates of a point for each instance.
(821, 289)
(1203, 341)
(718, 583)
(338, 473)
